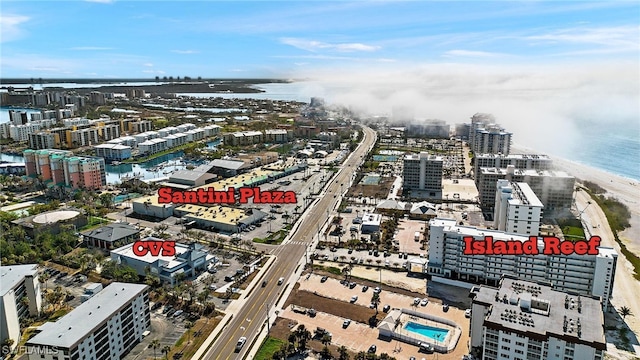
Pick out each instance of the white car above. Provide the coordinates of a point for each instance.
(240, 343)
(424, 302)
(416, 301)
(467, 313)
(354, 298)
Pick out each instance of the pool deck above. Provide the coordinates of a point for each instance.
(394, 326)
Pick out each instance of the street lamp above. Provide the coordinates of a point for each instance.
(268, 325)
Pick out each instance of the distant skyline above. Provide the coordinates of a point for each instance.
(305, 39)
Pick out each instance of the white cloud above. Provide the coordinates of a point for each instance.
(148, 64)
(10, 26)
(185, 51)
(609, 36)
(153, 72)
(90, 48)
(313, 46)
(471, 53)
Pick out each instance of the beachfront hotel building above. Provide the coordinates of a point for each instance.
(422, 176)
(189, 259)
(517, 209)
(528, 320)
(487, 137)
(62, 168)
(519, 161)
(584, 274)
(553, 188)
(106, 326)
(18, 282)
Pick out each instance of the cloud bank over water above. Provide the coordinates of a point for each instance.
(546, 107)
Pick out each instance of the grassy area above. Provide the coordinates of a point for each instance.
(268, 348)
(275, 238)
(618, 215)
(94, 221)
(573, 233)
(188, 344)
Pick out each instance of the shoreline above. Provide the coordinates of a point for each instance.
(624, 189)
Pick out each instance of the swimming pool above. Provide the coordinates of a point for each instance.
(428, 331)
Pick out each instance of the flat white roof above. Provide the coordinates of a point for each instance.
(167, 262)
(10, 276)
(86, 318)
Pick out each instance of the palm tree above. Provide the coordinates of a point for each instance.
(165, 351)
(625, 311)
(155, 343)
(188, 325)
(303, 335)
(375, 300)
(344, 354)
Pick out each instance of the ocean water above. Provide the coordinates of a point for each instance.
(614, 148)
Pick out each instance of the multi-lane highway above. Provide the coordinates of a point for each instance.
(249, 320)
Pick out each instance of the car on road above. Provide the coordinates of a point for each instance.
(467, 313)
(324, 279)
(346, 323)
(416, 301)
(445, 307)
(372, 349)
(424, 302)
(354, 298)
(240, 343)
(365, 288)
(280, 281)
(264, 283)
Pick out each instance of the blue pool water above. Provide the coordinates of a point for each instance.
(428, 331)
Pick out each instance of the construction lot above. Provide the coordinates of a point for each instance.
(334, 301)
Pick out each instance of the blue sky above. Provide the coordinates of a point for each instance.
(298, 39)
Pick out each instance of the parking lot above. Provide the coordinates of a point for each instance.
(166, 329)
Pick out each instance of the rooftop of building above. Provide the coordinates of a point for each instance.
(83, 320)
(537, 309)
(246, 133)
(220, 214)
(514, 156)
(191, 175)
(112, 232)
(112, 146)
(371, 219)
(525, 172)
(523, 195)
(11, 276)
(184, 252)
(423, 155)
(227, 164)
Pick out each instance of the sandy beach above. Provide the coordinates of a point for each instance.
(624, 189)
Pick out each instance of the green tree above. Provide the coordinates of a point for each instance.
(165, 350)
(375, 300)
(625, 311)
(155, 344)
(343, 353)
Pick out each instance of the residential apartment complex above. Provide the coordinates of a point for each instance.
(18, 282)
(553, 188)
(585, 274)
(422, 176)
(61, 168)
(517, 209)
(106, 326)
(485, 136)
(523, 320)
(519, 161)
